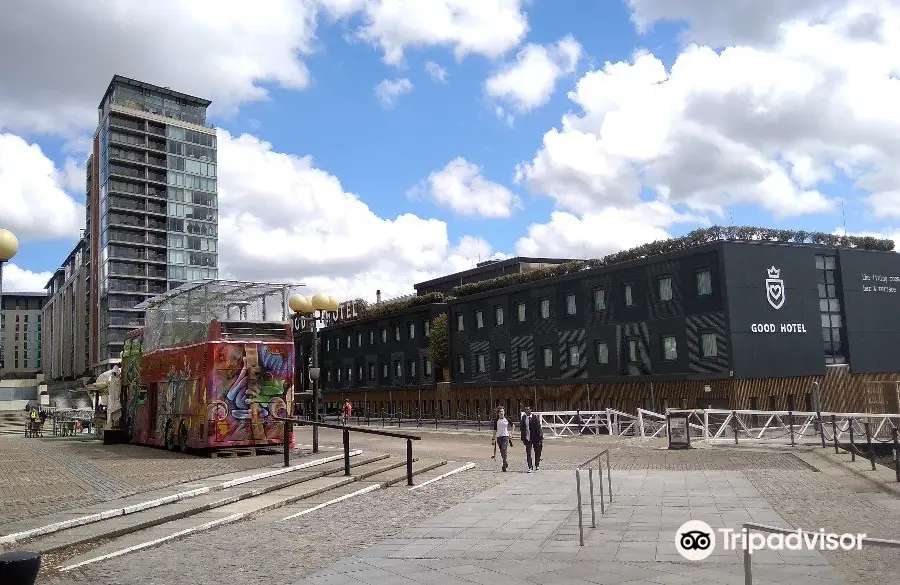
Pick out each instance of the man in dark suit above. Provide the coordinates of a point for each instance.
(532, 438)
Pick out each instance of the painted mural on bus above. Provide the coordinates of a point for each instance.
(214, 394)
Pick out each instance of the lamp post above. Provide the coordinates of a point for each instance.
(310, 312)
(9, 245)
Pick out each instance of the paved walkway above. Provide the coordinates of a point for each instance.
(525, 530)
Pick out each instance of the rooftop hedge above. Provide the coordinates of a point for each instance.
(649, 250)
(389, 308)
(659, 247)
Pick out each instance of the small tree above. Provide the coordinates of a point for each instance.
(439, 341)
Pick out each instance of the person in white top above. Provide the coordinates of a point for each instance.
(501, 436)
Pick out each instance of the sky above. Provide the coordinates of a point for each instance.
(373, 144)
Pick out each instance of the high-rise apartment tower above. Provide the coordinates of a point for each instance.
(152, 206)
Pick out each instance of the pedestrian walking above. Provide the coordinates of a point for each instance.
(501, 436)
(532, 438)
(346, 412)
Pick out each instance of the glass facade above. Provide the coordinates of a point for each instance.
(158, 202)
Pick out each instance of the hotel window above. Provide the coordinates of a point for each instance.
(426, 327)
(384, 371)
(398, 369)
(339, 375)
(460, 322)
(570, 304)
(670, 348)
(632, 350)
(479, 319)
(461, 364)
(428, 367)
(328, 344)
(328, 376)
(349, 374)
(602, 352)
(412, 329)
(709, 345)
(396, 333)
(830, 309)
(547, 356)
(371, 337)
(412, 368)
(371, 371)
(520, 311)
(348, 341)
(704, 283)
(573, 355)
(629, 295)
(523, 359)
(359, 339)
(545, 308)
(384, 335)
(337, 343)
(665, 288)
(480, 363)
(360, 374)
(498, 316)
(599, 299)
(501, 361)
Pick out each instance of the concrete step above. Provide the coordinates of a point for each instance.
(121, 525)
(225, 514)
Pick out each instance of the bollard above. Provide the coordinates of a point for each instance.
(821, 428)
(834, 433)
(478, 416)
(457, 421)
(346, 451)
(869, 441)
(896, 453)
(852, 444)
(591, 487)
(734, 426)
(435, 421)
(315, 438)
(409, 459)
(19, 567)
(791, 425)
(399, 417)
(608, 476)
(748, 572)
(288, 430)
(580, 516)
(600, 478)
(382, 418)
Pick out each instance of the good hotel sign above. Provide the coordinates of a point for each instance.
(775, 295)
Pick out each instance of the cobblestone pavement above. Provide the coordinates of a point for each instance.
(262, 552)
(838, 501)
(43, 476)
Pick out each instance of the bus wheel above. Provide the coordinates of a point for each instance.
(183, 438)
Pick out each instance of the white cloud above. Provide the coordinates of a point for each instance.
(33, 204)
(761, 125)
(481, 27)
(505, 116)
(281, 218)
(460, 187)
(16, 279)
(213, 48)
(436, 72)
(597, 234)
(530, 81)
(389, 90)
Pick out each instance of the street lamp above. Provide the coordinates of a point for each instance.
(9, 245)
(319, 308)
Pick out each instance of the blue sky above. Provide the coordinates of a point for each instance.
(647, 151)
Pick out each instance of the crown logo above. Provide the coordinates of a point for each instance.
(774, 272)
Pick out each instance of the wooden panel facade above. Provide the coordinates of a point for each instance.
(841, 391)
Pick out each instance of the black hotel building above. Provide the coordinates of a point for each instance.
(721, 324)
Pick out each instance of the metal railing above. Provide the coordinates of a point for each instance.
(566, 423)
(415, 419)
(748, 554)
(347, 429)
(590, 470)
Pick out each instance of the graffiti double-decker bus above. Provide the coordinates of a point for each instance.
(202, 382)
